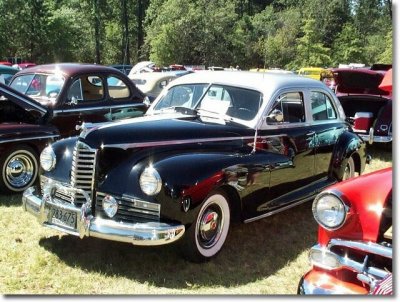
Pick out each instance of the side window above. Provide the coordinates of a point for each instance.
(288, 108)
(86, 88)
(117, 88)
(321, 106)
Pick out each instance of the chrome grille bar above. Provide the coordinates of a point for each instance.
(83, 170)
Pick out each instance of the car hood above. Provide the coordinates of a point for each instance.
(30, 105)
(358, 82)
(16, 131)
(151, 131)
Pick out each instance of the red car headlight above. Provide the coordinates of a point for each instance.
(329, 210)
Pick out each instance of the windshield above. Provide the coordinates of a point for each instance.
(212, 100)
(38, 86)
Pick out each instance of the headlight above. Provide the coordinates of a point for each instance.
(48, 159)
(329, 210)
(110, 206)
(150, 181)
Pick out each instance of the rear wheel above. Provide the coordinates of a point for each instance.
(206, 236)
(19, 169)
(350, 170)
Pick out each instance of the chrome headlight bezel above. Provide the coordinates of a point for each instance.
(330, 210)
(48, 159)
(150, 181)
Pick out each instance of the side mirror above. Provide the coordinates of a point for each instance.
(275, 116)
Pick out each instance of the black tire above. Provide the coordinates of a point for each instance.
(207, 234)
(350, 169)
(19, 169)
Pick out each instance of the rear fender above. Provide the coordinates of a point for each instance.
(348, 144)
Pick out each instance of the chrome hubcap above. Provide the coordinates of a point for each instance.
(210, 227)
(19, 171)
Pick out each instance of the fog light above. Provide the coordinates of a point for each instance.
(324, 259)
(110, 206)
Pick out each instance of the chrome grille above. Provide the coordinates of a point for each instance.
(130, 209)
(83, 170)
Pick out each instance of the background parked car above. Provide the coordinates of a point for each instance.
(354, 250)
(254, 145)
(6, 73)
(152, 83)
(79, 93)
(124, 68)
(311, 72)
(367, 107)
(24, 132)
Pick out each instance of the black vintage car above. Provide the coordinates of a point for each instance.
(24, 132)
(78, 93)
(215, 148)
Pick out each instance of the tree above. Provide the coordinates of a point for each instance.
(348, 47)
(310, 51)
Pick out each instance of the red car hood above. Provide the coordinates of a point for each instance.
(358, 82)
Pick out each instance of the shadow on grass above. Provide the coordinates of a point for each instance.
(252, 251)
(12, 200)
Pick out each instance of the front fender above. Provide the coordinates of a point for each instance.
(193, 176)
(348, 144)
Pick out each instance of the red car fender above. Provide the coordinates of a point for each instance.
(366, 196)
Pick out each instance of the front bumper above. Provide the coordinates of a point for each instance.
(145, 234)
(324, 278)
(321, 283)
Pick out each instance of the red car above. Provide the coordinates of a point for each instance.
(354, 250)
(368, 108)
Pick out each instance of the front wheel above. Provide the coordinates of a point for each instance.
(206, 236)
(19, 169)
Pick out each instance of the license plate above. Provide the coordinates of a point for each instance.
(63, 217)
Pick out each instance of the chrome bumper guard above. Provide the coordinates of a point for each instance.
(324, 258)
(145, 234)
(376, 139)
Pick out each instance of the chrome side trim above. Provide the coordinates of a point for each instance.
(277, 210)
(27, 139)
(98, 108)
(176, 142)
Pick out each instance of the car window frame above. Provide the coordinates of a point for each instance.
(265, 125)
(107, 90)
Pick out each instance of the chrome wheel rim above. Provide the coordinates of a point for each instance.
(19, 170)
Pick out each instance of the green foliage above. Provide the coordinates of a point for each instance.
(348, 47)
(250, 33)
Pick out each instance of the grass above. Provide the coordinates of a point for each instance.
(261, 258)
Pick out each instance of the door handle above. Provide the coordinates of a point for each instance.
(311, 133)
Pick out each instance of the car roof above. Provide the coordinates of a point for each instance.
(251, 80)
(67, 69)
(5, 68)
(153, 75)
